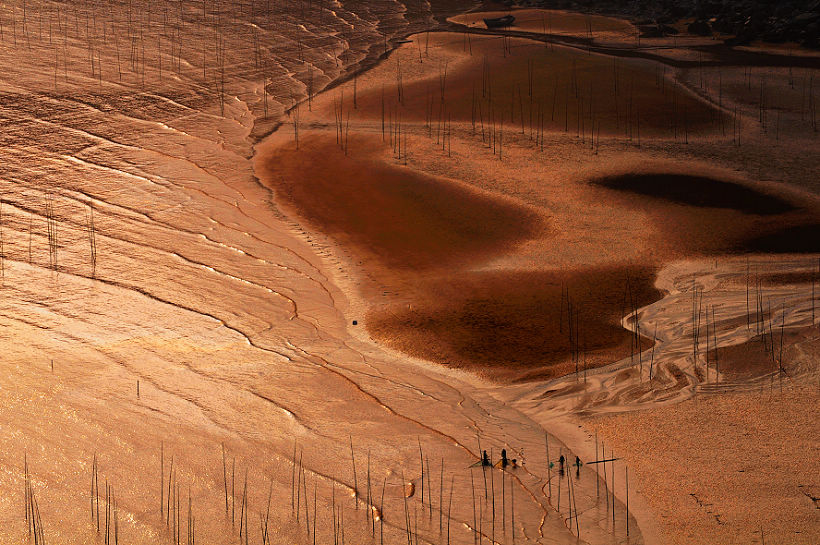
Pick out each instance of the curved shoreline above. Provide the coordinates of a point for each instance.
(645, 515)
(293, 174)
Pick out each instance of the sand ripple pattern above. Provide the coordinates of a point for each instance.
(742, 305)
(131, 125)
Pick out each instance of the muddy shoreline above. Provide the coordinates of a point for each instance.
(416, 249)
(479, 309)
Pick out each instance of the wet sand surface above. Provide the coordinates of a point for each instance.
(518, 325)
(698, 191)
(432, 287)
(714, 448)
(165, 315)
(404, 219)
(526, 86)
(798, 239)
(678, 191)
(159, 311)
(805, 277)
(553, 22)
(704, 215)
(425, 253)
(755, 359)
(716, 464)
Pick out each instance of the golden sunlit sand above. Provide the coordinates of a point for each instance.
(506, 317)
(726, 460)
(279, 272)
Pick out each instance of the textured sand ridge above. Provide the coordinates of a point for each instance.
(179, 357)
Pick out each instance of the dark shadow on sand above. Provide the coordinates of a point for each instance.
(698, 191)
(800, 239)
(404, 219)
(514, 325)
